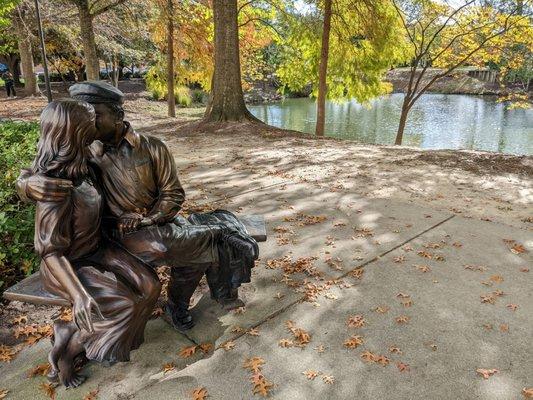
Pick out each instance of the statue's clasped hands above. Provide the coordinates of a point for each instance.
(131, 221)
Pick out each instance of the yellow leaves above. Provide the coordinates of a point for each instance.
(356, 321)
(353, 342)
(48, 389)
(33, 333)
(310, 374)
(41, 370)
(3, 393)
(92, 395)
(199, 393)
(229, 345)
(358, 273)
(486, 373)
(169, 367)
(302, 337)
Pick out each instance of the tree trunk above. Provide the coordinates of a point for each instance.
(25, 51)
(171, 100)
(227, 100)
(92, 66)
(323, 72)
(403, 121)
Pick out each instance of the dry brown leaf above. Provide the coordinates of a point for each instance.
(496, 278)
(358, 273)
(512, 307)
(187, 352)
(524, 269)
(403, 367)
(504, 328)
(518, 249)
(285, 343)
(407, 303)
(383, 360)
(368, 356)
(486, 373)
(254, 364)
(7, 353)
(402, 319)
(353, 342)
(356, 321)
(41, 370)
(169, 367)
(92, 395)
(328, 379)
(3, 393)
(261, 385)
(237, 329)
(21, 319)
(229, 345)
(310, 374)
(199, 393)
(48, 390)
(320, 348)
(527, 392)
(205, 347)
(253, 332)
(402, 295)
(381, 309)
(394, 349)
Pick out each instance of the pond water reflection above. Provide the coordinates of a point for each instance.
(437, 121)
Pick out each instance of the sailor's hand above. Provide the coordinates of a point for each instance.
(129, 222)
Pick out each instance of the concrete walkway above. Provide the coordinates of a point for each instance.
(387, 300)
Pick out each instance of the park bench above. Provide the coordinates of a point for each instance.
(30, 289)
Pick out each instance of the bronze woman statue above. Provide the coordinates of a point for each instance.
(112, 293)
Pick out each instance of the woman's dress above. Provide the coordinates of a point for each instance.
(124, 287)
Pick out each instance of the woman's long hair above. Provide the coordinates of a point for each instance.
(67, 127)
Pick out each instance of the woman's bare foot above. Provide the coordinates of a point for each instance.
(63, 331)
(67, 366)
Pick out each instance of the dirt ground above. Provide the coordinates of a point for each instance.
(479, 185)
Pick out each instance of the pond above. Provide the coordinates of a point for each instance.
(437, 121)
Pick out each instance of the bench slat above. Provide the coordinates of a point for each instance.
(30, 289)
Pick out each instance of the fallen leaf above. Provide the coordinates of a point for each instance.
(402, 319)
(527, 392)
(199, 394)
(205, 347)
(21, 319)
(368, 356)
(518, 249)
(7, 353)
(310, 374)
(512, 307)
(353, 342)
(496, 278)
(356, 321)
(407, 303)
(504, 328)
(320, 348)
(229, 345)
(524, 269)
(403, 367)
(41, 370)
(187, 352)
(486, 373)
(381, 309)
(254, 364)
(285, 343)
(383, 360)
(168, 367)
(48, 390)
(402, 295)
(329, 379)
(3, 393)
(92, 395)
(253, 332)
(394, 349)
(261, 385)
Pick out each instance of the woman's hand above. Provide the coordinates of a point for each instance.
(81, 310)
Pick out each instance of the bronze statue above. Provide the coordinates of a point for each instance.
(143, 195)
(97, 276)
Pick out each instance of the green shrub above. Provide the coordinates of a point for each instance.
(156, 84)
(18, 142)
